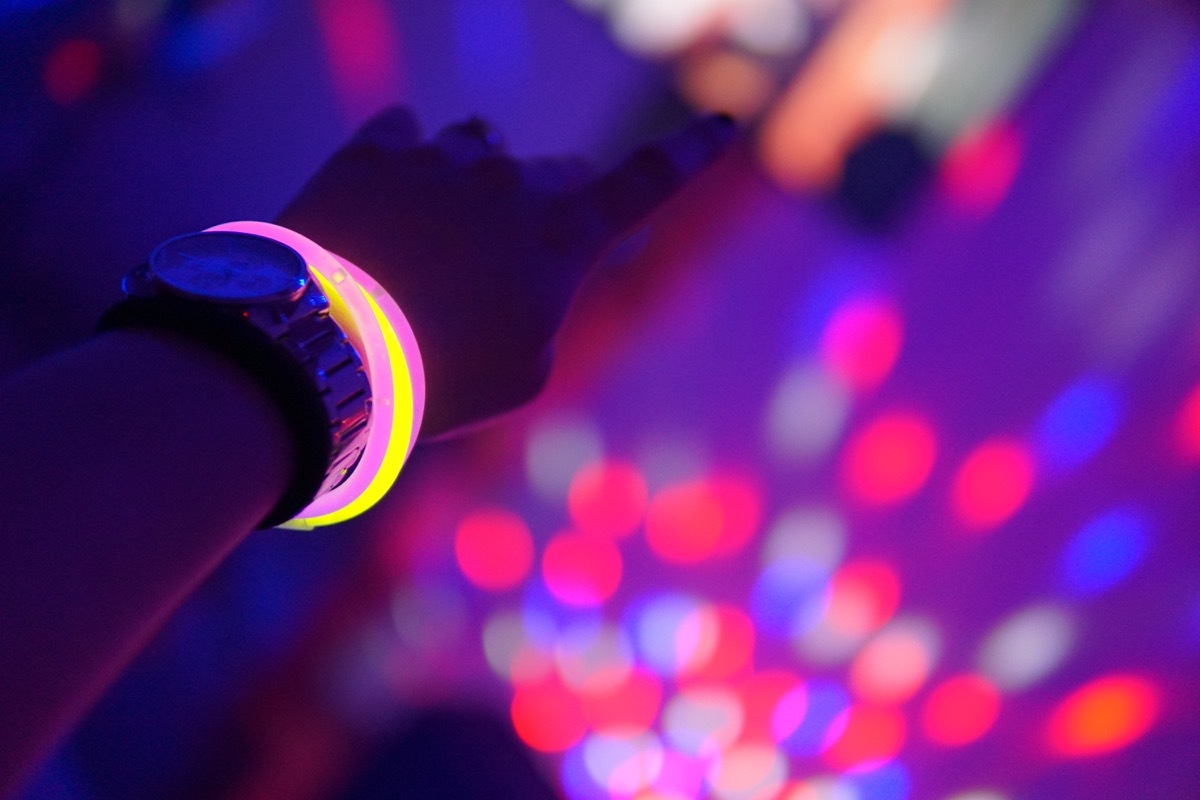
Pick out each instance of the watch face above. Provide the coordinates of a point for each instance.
(227, 267)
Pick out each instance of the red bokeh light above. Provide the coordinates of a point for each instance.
(993, 483)
(581, 569)
(732, 649)
(1104, 715)
(980, 168)
(362, 47)
(740, 501)
(607, 497)
(693, 521)
(960, 710)
(761, 694)
(891, 668)
(494, 549)
(630, 704)
(72, 70)
(862, 342)
(863, 596)
(547, 715)
(871, 734)
(889, 460)
(1189, 426)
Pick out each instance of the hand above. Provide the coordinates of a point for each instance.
(484, 252)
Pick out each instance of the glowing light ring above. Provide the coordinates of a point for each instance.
(375, 325)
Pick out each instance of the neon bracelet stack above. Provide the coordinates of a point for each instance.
(379, 331)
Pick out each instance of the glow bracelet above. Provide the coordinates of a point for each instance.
(379, 331)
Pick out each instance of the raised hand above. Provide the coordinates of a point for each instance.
(483, 251)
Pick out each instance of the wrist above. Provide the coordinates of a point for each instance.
(329, 346)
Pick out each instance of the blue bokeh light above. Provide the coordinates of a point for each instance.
(827, 706)
(1078, 424)
(1105, 552)
(653, 623)
(789, 597)
(577, 782)
(888, 781)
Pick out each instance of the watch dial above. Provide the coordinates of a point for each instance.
(229, 267)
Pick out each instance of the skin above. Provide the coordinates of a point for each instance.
(136, 461)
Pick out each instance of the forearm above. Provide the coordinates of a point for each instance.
(132, 465)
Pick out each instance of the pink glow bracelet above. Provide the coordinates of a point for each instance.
(379, 331)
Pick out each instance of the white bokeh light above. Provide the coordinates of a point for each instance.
(1027, 646)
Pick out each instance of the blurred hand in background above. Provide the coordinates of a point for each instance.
(484, 251)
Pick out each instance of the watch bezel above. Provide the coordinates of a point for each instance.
(153, 279)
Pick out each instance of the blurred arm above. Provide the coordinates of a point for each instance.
(132, 465)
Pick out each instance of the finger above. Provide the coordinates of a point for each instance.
(558, 175)
(468, 141)
(650, 175)
(395, 128)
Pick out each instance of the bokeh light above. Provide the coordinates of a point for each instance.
(703, 720)
(825, 787)
(519, 645)
(993, 483)
(807, 719)
(1188, 426)
(1102, 716)
(547, 715)
(862, 341)
(135, 16)
(362, 46)
(556, 449)
(681, 778)
(72, 70)
(889, 459)
(741, 503)
(871, 734)
(753, 771)
(607, 497)
(494, 548)
(683, 525)
(1078, 424)
(624, 764)
(590, 653)
(725, 81)
(807, 413)
(1105, 552)
(960, 710)
(877, 52)
(662, 645)
(581, 569)
(1027, 646)
(762, 694)
(812, 535)
(862, 597)
(768, 27)
(720, 640)
(889, 781)
(576, 779)
(981, 166)
(864, 594)
(662, 27)
(696, 520)
(789, 597)
(896, 662)
(630, 704)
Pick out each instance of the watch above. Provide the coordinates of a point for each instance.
(253, 299)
